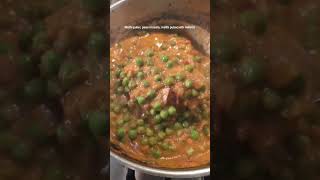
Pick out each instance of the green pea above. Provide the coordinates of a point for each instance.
(149, 53)
(271, 100)
(157, 106)
(125, 81)
(173, 43)
(146, 83)
(116, 109)
(22, 152)
(126, 118)
(144, 141)
(151, 94)
(152, 112)
(161, 135)
(177, 125)
(120, 90)
(156, 154)
(140, 122)
(140, 75)
(189, 68)
(169, 64)
(97, 123)
(251, 70)
(117, 73)
(157, 77)
(188, 84)
(169, 131)
(120, 122)
(180, 77)
(202, 88)
(165, 146)
(190, 151)
(156, 70)
(185, 124)
(172, 147)
(141, 130)
(132, 134)
(194, 134)
(165, 58)
(149, 61)
(121, 133)
(157, 119)
(194, 93)
(206, 130)
(196, 58)
(149, 132)
(152, 141)
(164, 114)
(176, 60)
(34, 90)
(140, 100)
(132, 84)
(169, 81)
(139, 62)
(122, 74)
(133, 124)
(172, 110)
(164, 47)
(253, 21)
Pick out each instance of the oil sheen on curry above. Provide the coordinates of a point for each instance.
(160, 99)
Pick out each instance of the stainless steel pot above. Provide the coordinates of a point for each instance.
(160, 12)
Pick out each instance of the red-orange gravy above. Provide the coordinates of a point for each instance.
(160, 99)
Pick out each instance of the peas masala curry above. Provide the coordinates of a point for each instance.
(52, 90)
(266, 79)
(160, 101)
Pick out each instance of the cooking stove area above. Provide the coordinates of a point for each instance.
(120, 172)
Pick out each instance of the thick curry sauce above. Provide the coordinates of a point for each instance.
(160, 99)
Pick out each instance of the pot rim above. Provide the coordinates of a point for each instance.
(178, 173)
